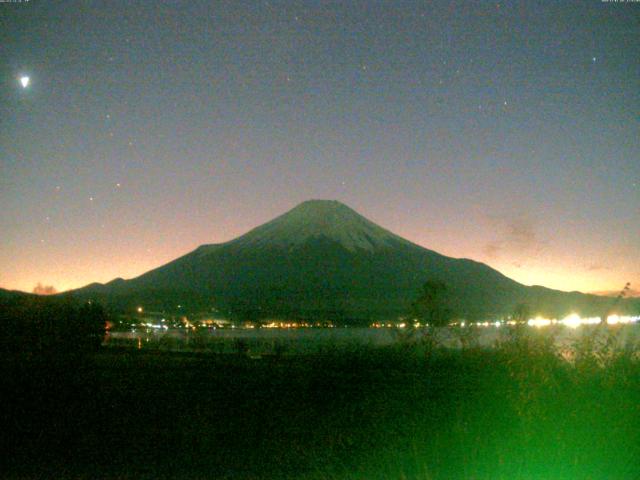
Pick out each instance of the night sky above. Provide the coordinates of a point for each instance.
(505, 132)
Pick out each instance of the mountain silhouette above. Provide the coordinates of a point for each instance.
(324, 261)
(12, 294)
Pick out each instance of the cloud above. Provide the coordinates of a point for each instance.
(40, 289)
(596, 266)
(492, 249)
(515, 235)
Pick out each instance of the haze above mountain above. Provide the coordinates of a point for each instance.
(323, 260)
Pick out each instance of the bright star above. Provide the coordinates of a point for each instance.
(24, 81)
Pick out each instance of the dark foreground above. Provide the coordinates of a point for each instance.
(402, 412)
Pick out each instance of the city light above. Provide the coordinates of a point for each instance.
(616, 319)
(539, 322)
(572, 321)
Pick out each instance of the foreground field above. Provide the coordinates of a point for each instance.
(406, 411)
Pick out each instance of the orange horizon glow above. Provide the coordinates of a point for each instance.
(83, 271)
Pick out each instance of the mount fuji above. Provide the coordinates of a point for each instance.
(322, 260)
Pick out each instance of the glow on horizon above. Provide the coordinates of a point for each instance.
(134, 261)
(561, 267)
(111, 254)
(561, 274)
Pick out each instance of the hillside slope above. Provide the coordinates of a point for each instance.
(323, 260)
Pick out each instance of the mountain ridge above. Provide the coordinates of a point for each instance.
(323, 259)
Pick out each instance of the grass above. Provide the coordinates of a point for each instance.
(408, 411)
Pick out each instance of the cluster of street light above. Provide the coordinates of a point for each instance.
(572, 321)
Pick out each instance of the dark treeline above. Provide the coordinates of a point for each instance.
(526, 408)
(46, 374)
(41, 325)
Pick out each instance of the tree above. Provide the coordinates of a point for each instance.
(615, 303)
(521, 313)
(91, 322)
(433, 305)
(51, 325)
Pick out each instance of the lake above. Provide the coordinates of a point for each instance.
(316, 340)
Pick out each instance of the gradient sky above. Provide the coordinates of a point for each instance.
(506, 132)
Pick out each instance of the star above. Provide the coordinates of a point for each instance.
(24, 81)
(118, 185)
(594, 59)
(91, 199)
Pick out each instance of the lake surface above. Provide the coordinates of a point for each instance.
(316, 340)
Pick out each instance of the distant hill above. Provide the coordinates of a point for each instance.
(11, 294)
(322, 260)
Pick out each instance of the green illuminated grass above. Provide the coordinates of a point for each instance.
(520, 411)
